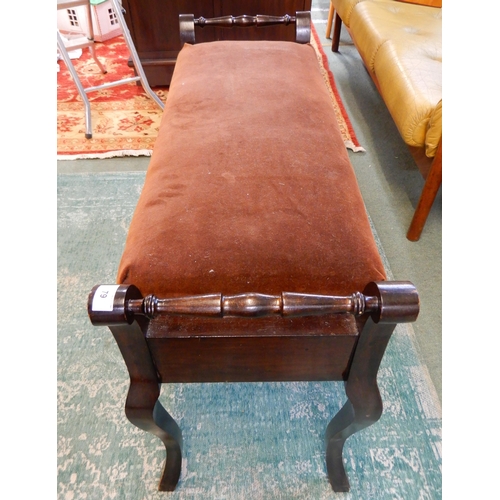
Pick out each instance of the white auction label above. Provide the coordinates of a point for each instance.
(104, 297)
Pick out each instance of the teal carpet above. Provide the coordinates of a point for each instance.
(241, 441)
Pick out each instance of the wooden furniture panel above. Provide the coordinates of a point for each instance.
(195, 350)
(154, 28)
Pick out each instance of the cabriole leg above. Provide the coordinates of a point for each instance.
(399, 303)
(145, 411)
(142, 406)
(364, 404)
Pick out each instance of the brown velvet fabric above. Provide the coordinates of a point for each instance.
(249, 187)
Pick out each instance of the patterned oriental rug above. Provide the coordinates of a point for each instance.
(125, 120)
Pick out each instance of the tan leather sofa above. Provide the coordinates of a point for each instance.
(400, 45)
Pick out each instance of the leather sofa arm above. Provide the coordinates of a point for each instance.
(434, 131)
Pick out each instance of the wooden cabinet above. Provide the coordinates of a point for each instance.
(154, 27)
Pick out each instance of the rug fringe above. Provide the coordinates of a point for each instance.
(356, 149)
(108, 154)
(147, 152)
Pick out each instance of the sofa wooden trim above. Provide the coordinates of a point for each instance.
(431, 169)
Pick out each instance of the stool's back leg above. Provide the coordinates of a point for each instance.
(364, 405)
(398, 303)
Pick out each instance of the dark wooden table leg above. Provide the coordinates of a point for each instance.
(398, 303)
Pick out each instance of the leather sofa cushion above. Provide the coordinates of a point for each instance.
(344, 8)
(375, 22)
(250, 187)
(401, 45)
(411, 91)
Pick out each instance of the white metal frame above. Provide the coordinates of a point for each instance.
(88, 41)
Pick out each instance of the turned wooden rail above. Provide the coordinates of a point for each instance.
(302, 21)
(244, 20)
(254, 305)
(245, 305)
(248, 305)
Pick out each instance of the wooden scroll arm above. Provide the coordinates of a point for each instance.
(250, 305)
(302, 21)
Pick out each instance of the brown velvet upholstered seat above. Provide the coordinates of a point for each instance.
(250, 187)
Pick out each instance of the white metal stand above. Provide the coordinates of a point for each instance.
(88, 41)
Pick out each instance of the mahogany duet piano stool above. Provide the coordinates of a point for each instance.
(250, 256)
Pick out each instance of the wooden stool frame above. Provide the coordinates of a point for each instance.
(136, 324)
(348, 346)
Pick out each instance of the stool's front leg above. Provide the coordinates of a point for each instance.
(398, 303)
(142, 406)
